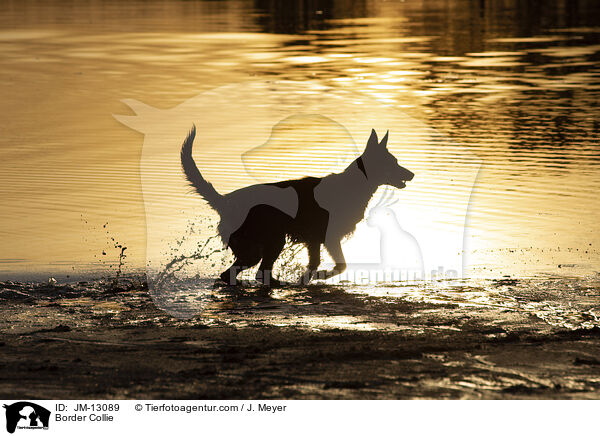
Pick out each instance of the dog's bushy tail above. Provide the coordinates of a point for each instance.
(204, 188)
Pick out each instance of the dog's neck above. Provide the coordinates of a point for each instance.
(358, 171)
(347, 196)
(363, 187)
(361, 166)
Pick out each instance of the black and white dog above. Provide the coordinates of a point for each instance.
(256, 220)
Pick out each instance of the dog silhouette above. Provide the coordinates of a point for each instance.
(255, 220)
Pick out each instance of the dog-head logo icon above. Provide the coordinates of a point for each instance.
(26, 415)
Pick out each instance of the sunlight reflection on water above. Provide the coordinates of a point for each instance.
(503, 304)
(523, 98)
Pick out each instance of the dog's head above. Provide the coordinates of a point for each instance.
(381, 166)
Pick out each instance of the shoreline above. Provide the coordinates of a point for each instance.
(96, 342)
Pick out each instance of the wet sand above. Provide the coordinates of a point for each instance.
(99, 341)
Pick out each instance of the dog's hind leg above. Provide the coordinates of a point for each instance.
(244, 259)
(271, 252)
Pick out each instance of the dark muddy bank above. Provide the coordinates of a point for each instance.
(95, 340)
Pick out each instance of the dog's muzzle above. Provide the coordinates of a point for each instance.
(407, 176)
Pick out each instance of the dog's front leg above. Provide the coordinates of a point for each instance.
(314, 260)
(334, 248)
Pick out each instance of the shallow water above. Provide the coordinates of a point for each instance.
(543, 305)
(486, 339)
(516, 88)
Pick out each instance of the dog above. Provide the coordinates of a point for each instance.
(256, 220)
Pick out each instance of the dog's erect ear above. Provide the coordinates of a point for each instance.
(372, 142)
(383, 142)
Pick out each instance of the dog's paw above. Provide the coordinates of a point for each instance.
(271, 282)
(304, 280)
(220, 283)
(323, 274)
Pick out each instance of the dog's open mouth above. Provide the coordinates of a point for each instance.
(403, 182)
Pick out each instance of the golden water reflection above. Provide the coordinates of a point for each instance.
(517, 89)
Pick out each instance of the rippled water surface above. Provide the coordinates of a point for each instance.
(517, 91)
(492, 104)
